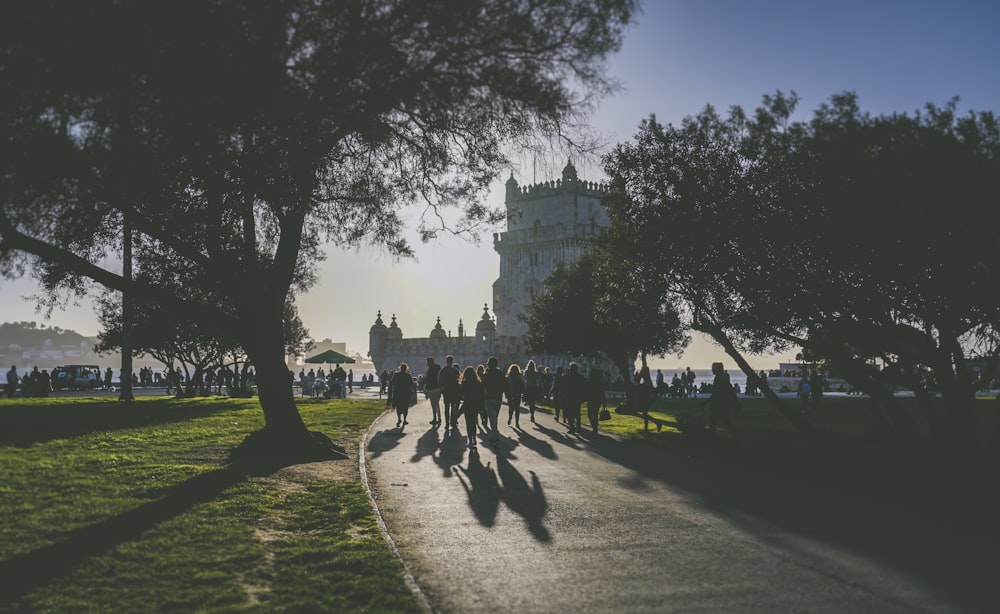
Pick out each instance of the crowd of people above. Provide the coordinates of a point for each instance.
(476, 394)
(329, 384)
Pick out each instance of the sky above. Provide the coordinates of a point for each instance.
(678, 57)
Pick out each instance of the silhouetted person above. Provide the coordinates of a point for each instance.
(645, 393)
(514, 390)
(574, 392)
(401, 389)
(556, 393)
(432, 387)
(472, 403)
(532, 387)
(12, 381)
(448, 380)
(595, 397)
(722, 403)
(494, 384)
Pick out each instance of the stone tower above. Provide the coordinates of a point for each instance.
(547, 223)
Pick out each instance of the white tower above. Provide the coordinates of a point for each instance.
(547, 223)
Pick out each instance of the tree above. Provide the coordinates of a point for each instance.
(157, 333)
(852, 236)
(238, 139)
(594, 306)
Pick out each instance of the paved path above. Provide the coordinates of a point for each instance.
(556, 523)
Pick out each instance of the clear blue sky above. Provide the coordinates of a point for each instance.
(678, 57)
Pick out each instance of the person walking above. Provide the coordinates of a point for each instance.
(722, 403)
(450, 392)
(556, 393)
(401, 390)
(645, 394)
(472, 402)
(515, 389)
(573, 391)
(532, 387)
(494, 384)
(432, 387)
(596, 399)
(12, 380)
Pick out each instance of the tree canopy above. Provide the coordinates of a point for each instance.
(854, 236)
(238, 139)
(594, 306)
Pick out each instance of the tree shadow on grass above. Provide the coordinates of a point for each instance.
(24, 573)
(29, 425)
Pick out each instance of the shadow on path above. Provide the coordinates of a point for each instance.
(451, 452)
(539, 446)
(959, 571)
(524, 500)
(559, 436)
(26, 572)
(480, 484)
(427, 445)
(384, 440)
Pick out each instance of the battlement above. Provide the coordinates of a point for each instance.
(549, 188)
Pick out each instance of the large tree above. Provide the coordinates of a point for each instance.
(598, 306)
(856, 237)
(239, 138)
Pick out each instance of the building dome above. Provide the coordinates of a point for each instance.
(569, 172)
(438, 332)
(394, 331)
(486, 323)
(378, 326)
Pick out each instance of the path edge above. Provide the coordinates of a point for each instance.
(411, 582)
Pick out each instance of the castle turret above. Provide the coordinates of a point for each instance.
(438, 332)
(568, 174)
(377, 335)
(394, 332)
(486, 328)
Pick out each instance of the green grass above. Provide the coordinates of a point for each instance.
(113, 507)
(940, 486)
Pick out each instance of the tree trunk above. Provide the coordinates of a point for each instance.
(792, 414)
(281, 415)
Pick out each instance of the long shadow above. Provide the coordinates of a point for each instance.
(481, 486)
(931, 556)
(537, 445)
(560, 437)
(28, 425)
(427, 445)
(524, 500)
(25, 572)
(384, 440)
(451, 452)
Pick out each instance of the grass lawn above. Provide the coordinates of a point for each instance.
(958, 491)
(130, 508)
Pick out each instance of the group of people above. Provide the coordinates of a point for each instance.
(681, 386)
(478, 394)
(335, 383)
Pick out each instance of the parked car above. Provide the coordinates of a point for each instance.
(78, 377)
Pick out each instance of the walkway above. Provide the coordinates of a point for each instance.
(551, 522)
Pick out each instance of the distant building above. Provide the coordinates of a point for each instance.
(548, 223)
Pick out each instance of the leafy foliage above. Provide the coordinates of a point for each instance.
(856, 237)
(237, 140)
